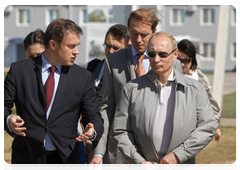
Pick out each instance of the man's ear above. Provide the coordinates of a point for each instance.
(175, 53)
(154, 30)
(52, 44)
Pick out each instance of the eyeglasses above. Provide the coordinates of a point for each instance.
(106, 46)
(185, 61)
(160, 54)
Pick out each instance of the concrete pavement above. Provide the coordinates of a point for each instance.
(229, 82)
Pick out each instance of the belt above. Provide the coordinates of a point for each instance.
(51, 153)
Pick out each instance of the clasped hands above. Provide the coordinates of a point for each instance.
(167, 163)
(18, 129)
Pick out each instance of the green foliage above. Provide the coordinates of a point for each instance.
(229, 106)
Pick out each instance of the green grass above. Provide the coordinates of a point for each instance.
(229, 106)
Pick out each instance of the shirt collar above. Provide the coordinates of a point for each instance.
(46, 65)
(134, 52)
(171, 77)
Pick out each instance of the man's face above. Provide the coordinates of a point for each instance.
(128, 42)
(67, 50)
(161, 65)
(34, 50)
(112, 44)
(139, 33)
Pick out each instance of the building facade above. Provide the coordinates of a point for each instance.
(198, 23)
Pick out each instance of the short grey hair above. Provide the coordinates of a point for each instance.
(173, 40)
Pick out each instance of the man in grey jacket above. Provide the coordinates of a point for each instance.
(163, 117)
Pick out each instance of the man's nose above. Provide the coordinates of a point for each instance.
(76, 51)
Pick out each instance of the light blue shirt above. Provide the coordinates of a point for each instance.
(145, 61)
(48, 144)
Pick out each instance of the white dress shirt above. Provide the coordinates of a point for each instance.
(48, 144)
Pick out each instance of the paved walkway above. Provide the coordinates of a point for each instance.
(229, 82)
(228, 122)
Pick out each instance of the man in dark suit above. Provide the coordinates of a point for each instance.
(45, 129)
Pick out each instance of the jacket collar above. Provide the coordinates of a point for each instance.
(180, 78)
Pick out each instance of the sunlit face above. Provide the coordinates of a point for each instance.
(112, 44)
(160, 65)
(34, 50)
(66, 51)
(128, 42)
(139, 33)
(186, 62)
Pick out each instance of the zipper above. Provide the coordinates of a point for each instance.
(156, 105)
(173, 116)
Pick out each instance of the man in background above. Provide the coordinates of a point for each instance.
(114, 41)
(118, 70)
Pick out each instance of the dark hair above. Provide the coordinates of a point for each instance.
(118, 31)
(34, 37)
(59, 28)
(146, 15)
(189, 49)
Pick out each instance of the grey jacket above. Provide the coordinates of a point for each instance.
(193, 127)
(118, 70)
(205, 81)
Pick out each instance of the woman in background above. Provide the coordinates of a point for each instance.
(34, 43)
(187, 56)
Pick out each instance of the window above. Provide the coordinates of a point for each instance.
(235, 50)
(23, 17)
(111, 17)
(233, 16)
(177, 16)
(208, 50)
(51, 14)
(83, 15)
(208, 17)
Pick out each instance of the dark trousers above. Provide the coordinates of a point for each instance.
(53, 158)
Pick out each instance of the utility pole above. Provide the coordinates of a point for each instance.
(59, 11)
(221, 51)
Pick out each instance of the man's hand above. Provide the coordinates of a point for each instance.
(96, 160)
(170, 158)
(218, 134)
(87, 133)
(15, 126)
(146, 165)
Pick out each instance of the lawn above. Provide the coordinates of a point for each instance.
(222, 152)
(229, 106)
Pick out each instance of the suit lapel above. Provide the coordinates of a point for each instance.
(62, 86)
(129, 63)
(37, 62)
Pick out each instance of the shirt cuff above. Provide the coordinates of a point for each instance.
(93, 137)
(98, 155)
(7, 123)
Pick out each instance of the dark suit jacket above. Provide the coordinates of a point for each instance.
(75, 94)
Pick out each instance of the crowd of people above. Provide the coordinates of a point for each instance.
(145, 102)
